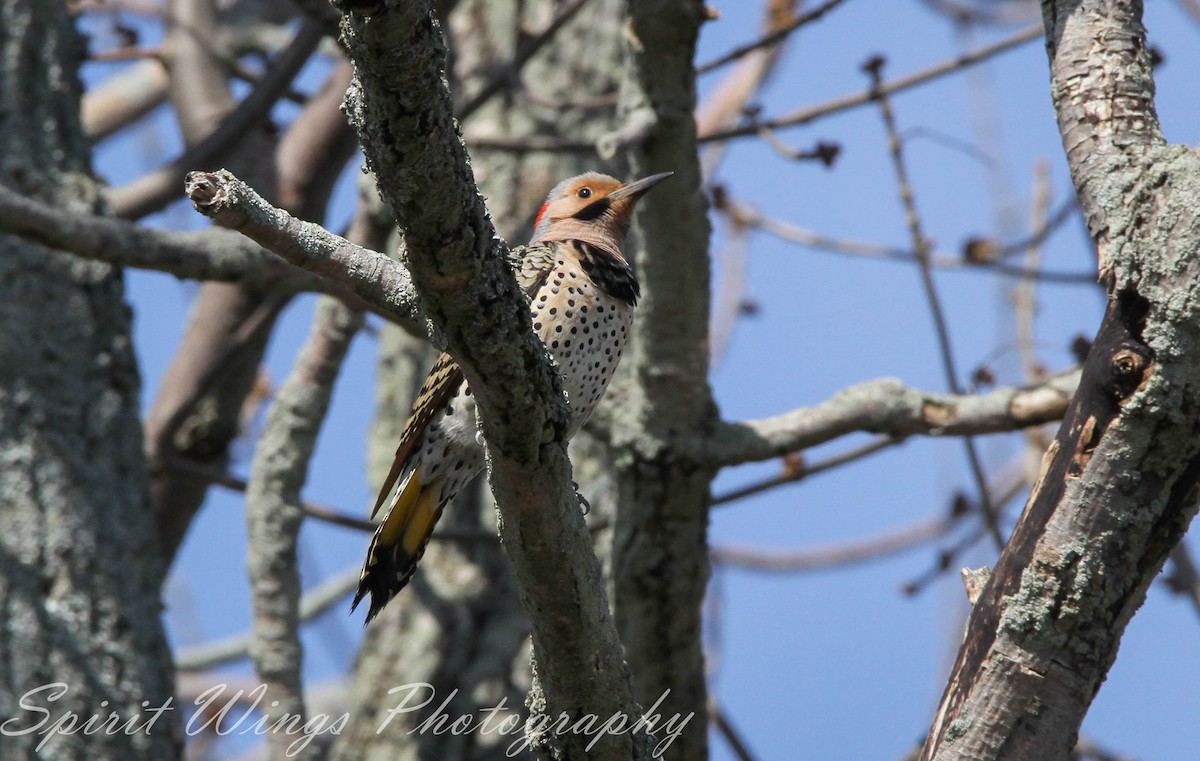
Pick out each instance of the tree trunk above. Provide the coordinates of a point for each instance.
(660, 550)
(79, 567)
(1120, 482)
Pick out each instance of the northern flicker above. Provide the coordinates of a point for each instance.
(582, 292)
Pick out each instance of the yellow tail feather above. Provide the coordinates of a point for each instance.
(399, 542)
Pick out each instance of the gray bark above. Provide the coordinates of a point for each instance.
(660, 547)
(79, 567)
(273, 518)
(461, 626)
(1119, 484)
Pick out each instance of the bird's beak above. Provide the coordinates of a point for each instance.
(638, 188)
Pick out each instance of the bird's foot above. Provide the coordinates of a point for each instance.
(583, 503)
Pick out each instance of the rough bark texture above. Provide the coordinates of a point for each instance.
(79, 570)
(660, 556)
(1119, 484)
(460, 626)
(274, 515)
(401, 106)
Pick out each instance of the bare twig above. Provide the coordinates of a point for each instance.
(796, 470)
(1007, 486)
(849, 553)
(508, 74)
(808, 114)
(921, 247)
(333, 516)
(792, 233)
(726, 729)
(207, 255)
(153, 191)
(312, 605)
(774, 37)
(727, 103)
(824, 152)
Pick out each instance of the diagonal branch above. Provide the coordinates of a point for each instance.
(811, 113)
(921, 246)
(772, 38)
(401, 107)
(848, 553)
(374, 278)
(155, 190)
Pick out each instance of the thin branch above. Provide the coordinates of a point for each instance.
(772, 38)
(155, 190)
(727, 731)
(272, 520)
(373, 277)
(824, 152)
(808, 114)
(506, 75)
(921, 247)
(849, 553)
(887, 407)
(796, 470)
(743, 214)
(1007, 486)
(313, 604)
(727, 103)
(333, 516)
(205, 255)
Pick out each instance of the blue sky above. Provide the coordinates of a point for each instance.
(836, 664)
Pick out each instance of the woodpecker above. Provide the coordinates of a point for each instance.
(582, 292)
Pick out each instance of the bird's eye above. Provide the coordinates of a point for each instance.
(585, 192)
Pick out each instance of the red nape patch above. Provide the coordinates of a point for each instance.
(541, 213)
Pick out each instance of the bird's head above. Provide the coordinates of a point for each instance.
(591, 207)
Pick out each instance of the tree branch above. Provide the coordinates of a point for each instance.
(273, 516)
(155, 190)
(207, 255)
(772, 37)
(1119, 484)
(811, 113)
(848, 553)
(401, 107)
(374, 278)
(314, 603)
(886, 406)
